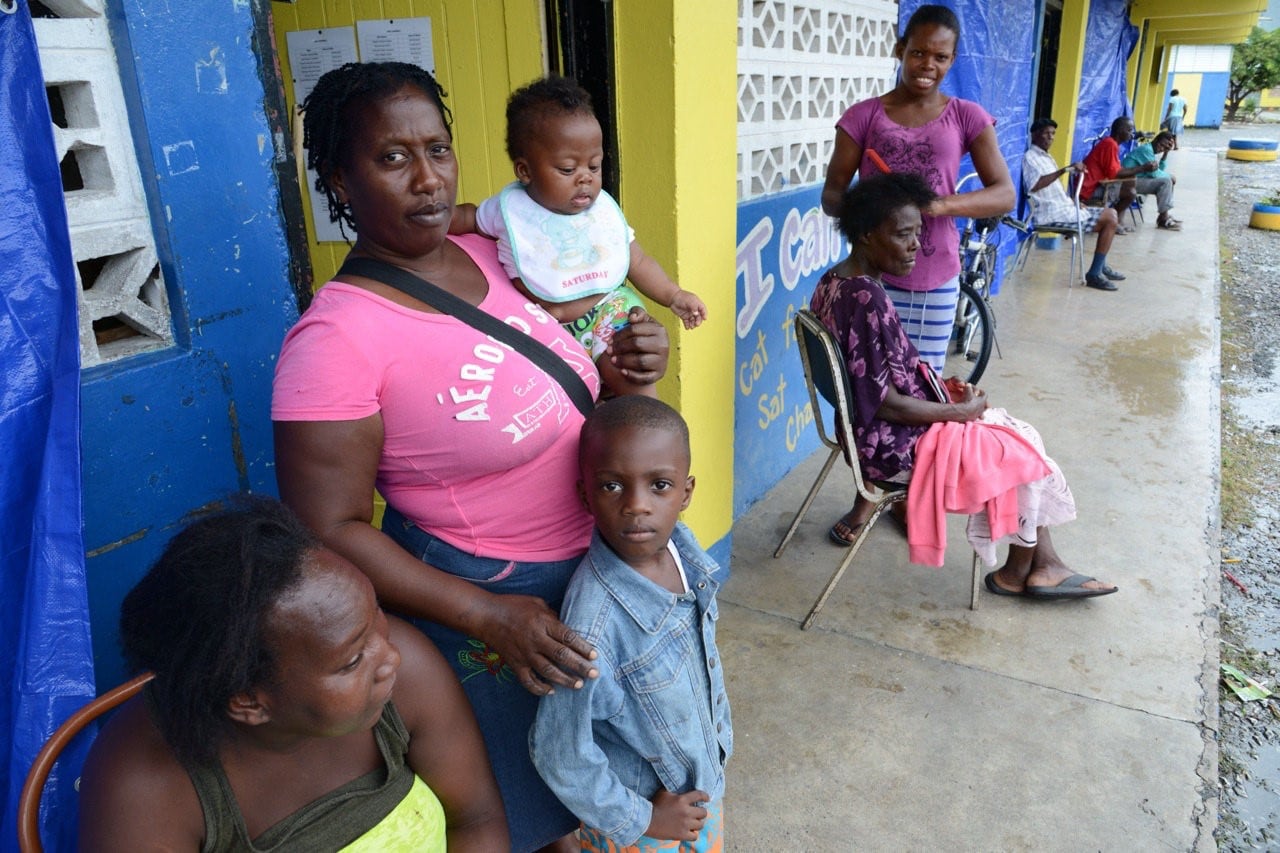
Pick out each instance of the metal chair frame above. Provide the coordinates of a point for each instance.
(1076, 235)
(33, 787)
(1112, 186)
(827, 379)
(1135, 209)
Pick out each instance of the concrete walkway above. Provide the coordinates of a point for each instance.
(904, 721)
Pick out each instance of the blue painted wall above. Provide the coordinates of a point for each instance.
(785, 243)
(1211, 105)
(167, 434)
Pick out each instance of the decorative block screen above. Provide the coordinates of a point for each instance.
(123, 306)
(800, 65)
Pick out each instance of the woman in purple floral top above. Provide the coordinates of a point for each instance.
(893, 405)
(866, 326)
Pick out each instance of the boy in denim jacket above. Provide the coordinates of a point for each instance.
(638, 753)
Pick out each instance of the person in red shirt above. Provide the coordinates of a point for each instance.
(1103, 164)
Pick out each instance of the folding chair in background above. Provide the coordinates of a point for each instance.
(1074, 235)
(827, 378)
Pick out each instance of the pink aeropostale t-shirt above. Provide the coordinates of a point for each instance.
(480, 446)
(933, 151)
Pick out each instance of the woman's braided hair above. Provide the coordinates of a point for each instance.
(329, 116)
(197, 618)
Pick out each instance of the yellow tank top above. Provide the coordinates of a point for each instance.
(417, 824)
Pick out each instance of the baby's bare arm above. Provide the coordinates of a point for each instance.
(651, 280)
(464, 219)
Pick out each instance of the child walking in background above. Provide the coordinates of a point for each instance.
(638, 754)
(562, 239)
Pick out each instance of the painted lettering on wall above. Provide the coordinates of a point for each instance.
(785, 243)
(809, 244)
(797, 422)
(756, 284)
(753, 368)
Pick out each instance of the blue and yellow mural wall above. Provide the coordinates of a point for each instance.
(785, 243)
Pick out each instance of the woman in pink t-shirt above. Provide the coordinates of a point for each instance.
(916, 128)
(473, 447)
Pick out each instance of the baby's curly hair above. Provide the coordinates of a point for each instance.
(873, 199)
(544, 98)
(328, 116)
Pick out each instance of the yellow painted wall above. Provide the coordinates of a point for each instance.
(676, 72)
(677, 124)
(1143, 91)
(483, 50)
(1188, 86)
(1066, 87)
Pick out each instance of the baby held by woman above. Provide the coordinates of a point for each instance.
(561, 238)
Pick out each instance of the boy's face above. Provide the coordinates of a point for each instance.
(635, 482)
(561, 163)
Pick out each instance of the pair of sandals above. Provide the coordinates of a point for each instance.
(1168, 223)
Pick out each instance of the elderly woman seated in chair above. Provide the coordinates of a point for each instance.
(287, 712)
(910, 427)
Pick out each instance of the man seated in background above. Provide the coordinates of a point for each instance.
(1157, 182)
(1050, 204)
(1102, 165)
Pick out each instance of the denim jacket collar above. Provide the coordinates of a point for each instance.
(638, 595)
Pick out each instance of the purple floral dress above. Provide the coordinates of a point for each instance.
(877, 352)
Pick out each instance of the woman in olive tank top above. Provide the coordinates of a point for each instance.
(287, 711)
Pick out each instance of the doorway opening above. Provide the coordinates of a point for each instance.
(580, 45)
(1047, 68)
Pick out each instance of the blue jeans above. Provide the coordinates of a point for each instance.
(504, 709)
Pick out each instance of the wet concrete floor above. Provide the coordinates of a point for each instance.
(904, 721)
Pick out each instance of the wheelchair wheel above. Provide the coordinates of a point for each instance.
(972, 337)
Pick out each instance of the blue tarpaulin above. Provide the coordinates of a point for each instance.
(995, 67)
(44, 616)
(1109, 40)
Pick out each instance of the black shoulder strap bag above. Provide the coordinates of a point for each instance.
(444, 301)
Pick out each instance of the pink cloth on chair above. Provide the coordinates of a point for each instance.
(966, 468)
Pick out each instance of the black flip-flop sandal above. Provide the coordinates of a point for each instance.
(834, 535)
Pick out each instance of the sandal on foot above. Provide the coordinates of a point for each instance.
(1169, 224)
(841, 539)
(1072, 587)
(995, 589)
